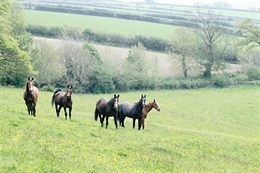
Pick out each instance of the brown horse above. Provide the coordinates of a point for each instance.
(30, 97)
(64, 100)
(107, 108)
(147, 108)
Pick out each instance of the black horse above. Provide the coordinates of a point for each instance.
(106, 108)
(126, 109)
(64, 100)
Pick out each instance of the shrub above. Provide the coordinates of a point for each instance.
(220, 80)
(253, 73)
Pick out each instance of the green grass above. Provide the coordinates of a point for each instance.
(208, 130)
(103, 24)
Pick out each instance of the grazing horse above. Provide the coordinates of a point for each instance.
(106, 108)
(64, 100)
(147, 108)
(30, 97)
(134, 111)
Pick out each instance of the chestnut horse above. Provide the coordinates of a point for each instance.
(134, 111)
(106, 108)
(62, 99)
(147, 108)
(30, 97)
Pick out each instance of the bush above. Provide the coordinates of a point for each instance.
(49, 88)
(253, 73)
(220, 80)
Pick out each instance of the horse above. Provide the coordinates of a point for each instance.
(106, 108)
(30, 96)
(62, 99)
(147, 108)
(134, 111)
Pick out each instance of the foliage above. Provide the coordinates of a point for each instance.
(101, 82)
(212, 41)
(14, 43)
(46, 62)
(251, 32)
(182, 48)
(206, 130)
(253, 73)
(94, 54)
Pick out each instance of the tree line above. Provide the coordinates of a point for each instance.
(84, 68)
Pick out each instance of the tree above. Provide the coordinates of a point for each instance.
(212, 41)
(15, 62)
(46, 62)
(136, 67)
(182, 48)
(251, 33)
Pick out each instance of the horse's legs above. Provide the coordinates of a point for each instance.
(28, 108)
(142, 122)
(133, 123)
(115, 120)
(122, 121)
(101, 119)
(139, 123)
(65, 112)
(70, 109)
(107, 121)
(57, 109)
(33, 110)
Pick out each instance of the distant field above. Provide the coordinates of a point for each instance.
(108, 25)
(207, 130)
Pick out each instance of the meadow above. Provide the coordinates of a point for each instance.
(207, 130)
(95, 23)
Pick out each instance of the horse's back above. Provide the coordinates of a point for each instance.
(36, 92)
(124, 108)
(101, 102)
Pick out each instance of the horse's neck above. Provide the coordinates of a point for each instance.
(148, 107)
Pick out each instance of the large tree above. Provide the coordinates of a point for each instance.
(212, 42)
(15, 62)
(46, 62)
(182, 48)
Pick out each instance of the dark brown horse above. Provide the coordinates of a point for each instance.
(106, 108)
(147, 108)
(62, 99)
(126, 109)
(30, 97)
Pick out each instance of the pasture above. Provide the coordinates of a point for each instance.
(208, 130)
(102, 24)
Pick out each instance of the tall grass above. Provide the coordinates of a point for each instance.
(208, 130)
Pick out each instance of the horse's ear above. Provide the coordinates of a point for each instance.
(153, 100)
(28, 78)
(145, 95)
(114, 95)
(118, 95)
(32, 78)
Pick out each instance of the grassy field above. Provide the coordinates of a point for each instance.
(208, 130)
(103, 24)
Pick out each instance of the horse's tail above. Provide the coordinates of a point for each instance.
(53, 97)
(96, 114)
(96, 110)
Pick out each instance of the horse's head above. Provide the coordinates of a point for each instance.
(156, 105)
(116, 100)
(69, 91)
(142, 100)
(29, 85)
